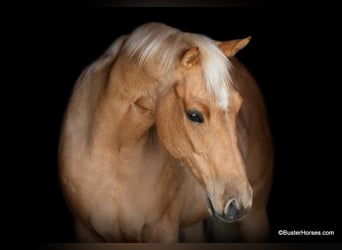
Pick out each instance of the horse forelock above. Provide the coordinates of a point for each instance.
(164, 42)
(216, 69)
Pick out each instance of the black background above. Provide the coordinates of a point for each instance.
(286, 57)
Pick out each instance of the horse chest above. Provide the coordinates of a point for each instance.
(126, 203)
(129, 216)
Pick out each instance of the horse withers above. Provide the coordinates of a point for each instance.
(163, 131)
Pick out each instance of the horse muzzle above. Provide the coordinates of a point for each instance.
(234, 210)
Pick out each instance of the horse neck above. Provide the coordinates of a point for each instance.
(118, 121)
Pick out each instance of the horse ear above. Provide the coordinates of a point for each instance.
(231, 47)
(190, 57)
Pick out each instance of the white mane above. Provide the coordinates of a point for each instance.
(156, 39)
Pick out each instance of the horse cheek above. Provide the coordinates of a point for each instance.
(168, 123)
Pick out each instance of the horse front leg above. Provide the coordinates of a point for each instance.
(84, 234)
(165, 230)
(162, 232)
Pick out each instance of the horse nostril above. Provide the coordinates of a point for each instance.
(232, 209)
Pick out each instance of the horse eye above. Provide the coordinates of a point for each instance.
(195, 116)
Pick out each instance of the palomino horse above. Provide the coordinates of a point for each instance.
(163, 130)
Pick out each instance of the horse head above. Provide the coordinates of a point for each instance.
(197, 123)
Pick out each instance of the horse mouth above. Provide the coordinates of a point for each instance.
(228, 218)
